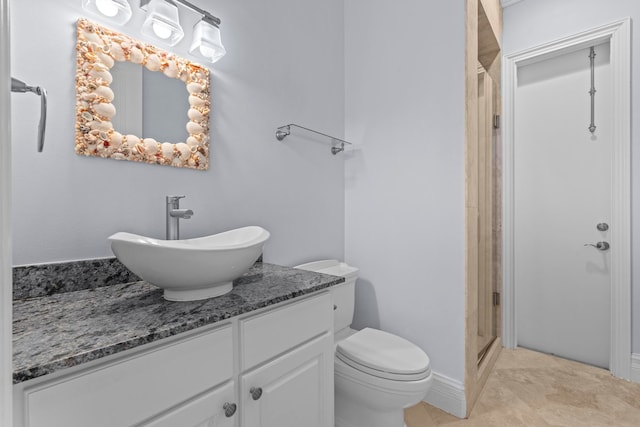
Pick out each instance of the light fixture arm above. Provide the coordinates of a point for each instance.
(213, 20)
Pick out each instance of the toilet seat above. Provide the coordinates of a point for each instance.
(384, 355)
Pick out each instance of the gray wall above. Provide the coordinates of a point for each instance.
(404, 97)
(285, 64)
(530, 23)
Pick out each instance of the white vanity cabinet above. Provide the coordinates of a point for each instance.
(269, 368)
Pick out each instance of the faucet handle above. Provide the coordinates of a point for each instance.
(174, 199)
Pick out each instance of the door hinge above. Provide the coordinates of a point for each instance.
(496, 121)
(496, 298)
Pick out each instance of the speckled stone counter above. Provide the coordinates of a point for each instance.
(66, 329)
(47, 279)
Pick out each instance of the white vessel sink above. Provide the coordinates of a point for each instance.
(191, 269)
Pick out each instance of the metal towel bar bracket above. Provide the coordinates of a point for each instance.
(337, 144)
(22, 87)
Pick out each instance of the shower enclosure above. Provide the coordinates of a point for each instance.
(483, 260)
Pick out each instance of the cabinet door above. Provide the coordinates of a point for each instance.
(293, 390)
(216, 408)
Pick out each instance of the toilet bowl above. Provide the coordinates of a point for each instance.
(376, 374)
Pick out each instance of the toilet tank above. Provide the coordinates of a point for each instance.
(343, 294)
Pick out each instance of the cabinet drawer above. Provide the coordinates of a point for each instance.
(269, 334)
(128, 392)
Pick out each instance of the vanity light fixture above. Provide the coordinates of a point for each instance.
(117, 11)
(162, 23)
(206, 40)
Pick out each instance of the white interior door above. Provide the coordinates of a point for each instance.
(562, 183)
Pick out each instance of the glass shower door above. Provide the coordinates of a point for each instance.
(489, 208)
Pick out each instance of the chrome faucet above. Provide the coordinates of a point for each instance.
(174, 213)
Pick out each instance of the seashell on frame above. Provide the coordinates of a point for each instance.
(153, 62)
(194, 87)
(132, 140)
(167, 150)
(185, 151)
(193, 143)
(194, 128)
(118, 53)
(196, 101)
(92, 37)
(116, 139)
(171, 70)
(194, 114)
(105, 59)
(104, 109)
(150, 146)
(104, 126)
(136, 56)
(102, 74)
(104, 92)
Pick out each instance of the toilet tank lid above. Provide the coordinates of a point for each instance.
(330, 266)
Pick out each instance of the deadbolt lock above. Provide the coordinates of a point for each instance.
(603, 226)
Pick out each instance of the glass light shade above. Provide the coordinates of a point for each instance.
(163, 22)
(206, 42)
(117, 11)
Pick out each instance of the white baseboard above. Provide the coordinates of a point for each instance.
(447, 394)
(635, 367)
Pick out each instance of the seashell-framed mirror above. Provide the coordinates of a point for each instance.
(98, 49)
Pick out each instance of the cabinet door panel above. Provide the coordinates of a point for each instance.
(297, 388)
(204, 411)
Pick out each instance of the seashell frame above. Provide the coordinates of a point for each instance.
(97, 50)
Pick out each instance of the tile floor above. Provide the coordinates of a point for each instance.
(531, 389)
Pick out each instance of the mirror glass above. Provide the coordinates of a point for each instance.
(140, 103)
(149, 103)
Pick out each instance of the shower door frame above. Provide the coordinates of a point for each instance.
(618, 34)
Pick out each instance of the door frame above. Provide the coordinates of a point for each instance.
(6, 354)
(618, 34)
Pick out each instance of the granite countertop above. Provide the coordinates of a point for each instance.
(66, 329)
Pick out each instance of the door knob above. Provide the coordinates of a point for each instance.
(256, 392)
(602, 246)
(229, 409)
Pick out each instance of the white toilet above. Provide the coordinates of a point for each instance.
(377, 374)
